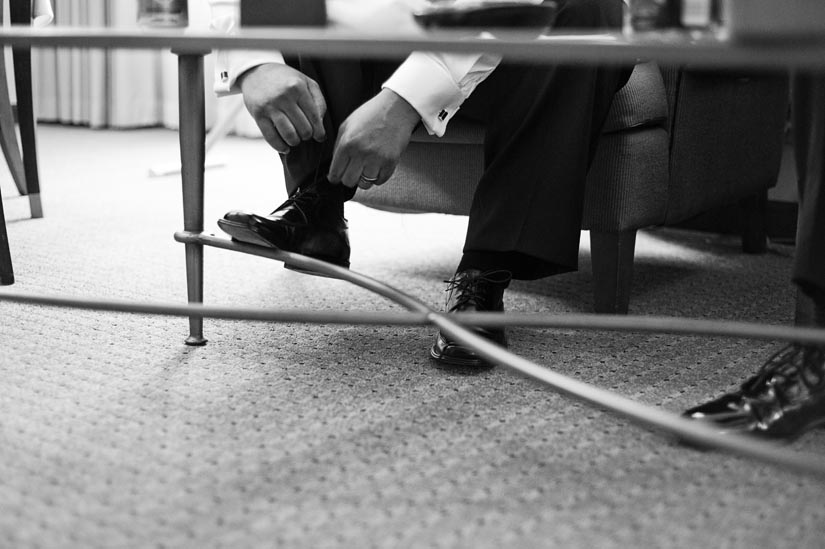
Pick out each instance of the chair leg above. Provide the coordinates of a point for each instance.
(8, 134)
(755, 223)
(6, 272)
(192, 149)
(20, 13)
(612, 258)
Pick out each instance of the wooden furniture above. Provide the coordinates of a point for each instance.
(6, 271)
(21, 157)
(707, 51)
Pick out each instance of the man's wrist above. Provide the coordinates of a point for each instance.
(401, 107)
(239, 80)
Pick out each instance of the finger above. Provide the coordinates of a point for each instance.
(299, 121)
(271, 135)
(285, 128)
(384, 175)
(352, 175)
(316, 114)
(338, 166)
(365, 180)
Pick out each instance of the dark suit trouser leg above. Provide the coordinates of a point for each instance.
(542, 123)
(809, 137)
(346, 85)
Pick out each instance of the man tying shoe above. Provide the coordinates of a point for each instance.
(341, 125)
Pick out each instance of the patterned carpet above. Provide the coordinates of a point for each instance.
(115, 434)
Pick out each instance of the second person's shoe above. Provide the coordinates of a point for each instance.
(310, 222)
(783, 401)
(472, 291)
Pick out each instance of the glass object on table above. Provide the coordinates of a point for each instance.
(701, 14)
(273, 13)
(163, 13)
(653, 15)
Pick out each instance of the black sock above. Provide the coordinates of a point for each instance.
(483, 261)
(486, 262)
(521, 265)
(338, 191)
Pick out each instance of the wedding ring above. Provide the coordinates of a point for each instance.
(366, 179)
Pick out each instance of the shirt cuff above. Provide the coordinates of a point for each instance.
(231, 64)
(438, 101)
(42, 13)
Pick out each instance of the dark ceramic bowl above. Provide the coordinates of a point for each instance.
(488, 15)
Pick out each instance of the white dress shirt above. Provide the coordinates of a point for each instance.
(42, 12)
(435, 84)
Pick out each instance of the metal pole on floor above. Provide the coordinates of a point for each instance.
(689, 431)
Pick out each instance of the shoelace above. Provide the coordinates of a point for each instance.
(469, 288)
(793, 361)
(301, 196)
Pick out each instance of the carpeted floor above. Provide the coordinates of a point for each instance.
(115, 434)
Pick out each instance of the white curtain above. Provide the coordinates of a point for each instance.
(118, 88)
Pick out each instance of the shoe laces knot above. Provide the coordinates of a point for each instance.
(778, 376)
(471, 289)
(301, 198)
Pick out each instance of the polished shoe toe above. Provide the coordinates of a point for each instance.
(445, 351)
(238, 216)
(309, 223)
(728, 414)
(237, 224)
(784, 400)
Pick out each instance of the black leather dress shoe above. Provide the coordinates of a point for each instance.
(471, 291)
(783, 401)
(310, 222)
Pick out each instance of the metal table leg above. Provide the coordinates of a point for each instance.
(192, 155)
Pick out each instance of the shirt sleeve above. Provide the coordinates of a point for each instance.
(436, 84)
(42, 13)
(231, 64)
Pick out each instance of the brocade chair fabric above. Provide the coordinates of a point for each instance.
(677, 142)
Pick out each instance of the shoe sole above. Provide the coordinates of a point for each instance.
(796, 436)
(756, 436)
(460, 362)
(243, 233)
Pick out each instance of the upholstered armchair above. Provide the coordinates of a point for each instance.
(677, 142)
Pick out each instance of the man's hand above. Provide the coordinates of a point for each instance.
(371, 140)
(287, 105)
